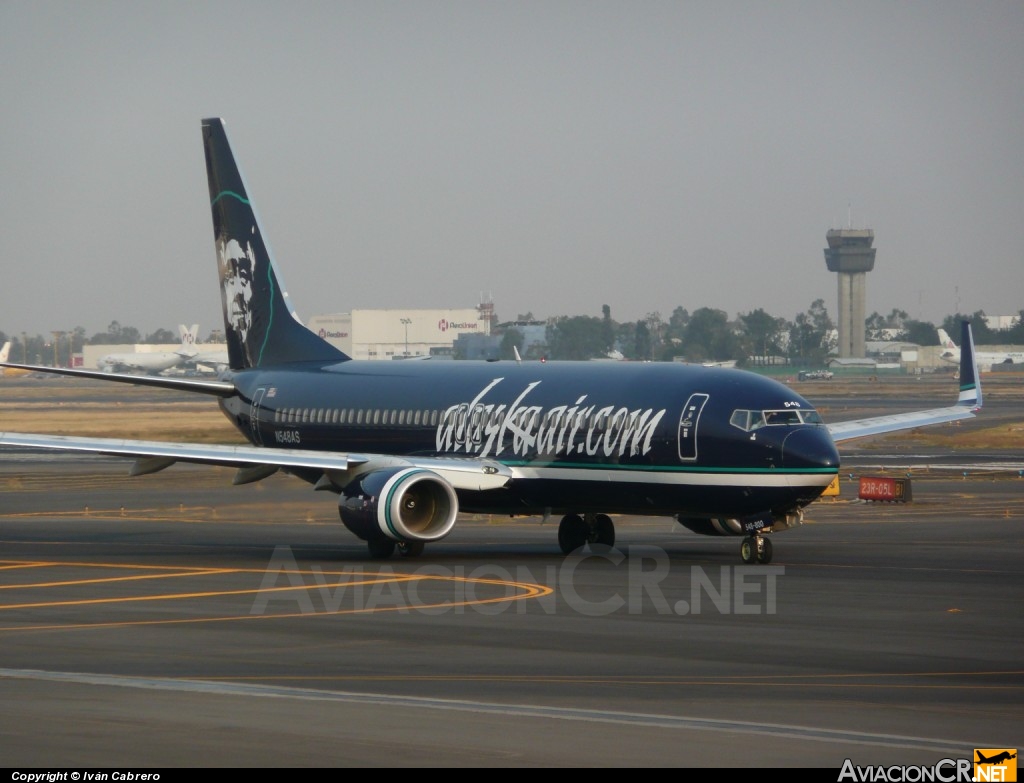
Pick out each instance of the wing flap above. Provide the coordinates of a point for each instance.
(154, 451)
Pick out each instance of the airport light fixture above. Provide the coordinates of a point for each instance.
(405, 323)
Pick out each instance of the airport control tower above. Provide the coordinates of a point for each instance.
(849, 253)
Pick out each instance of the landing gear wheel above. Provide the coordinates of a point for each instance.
(602, 532)
(572, 533)
(764, 550)
(381, 548)
(748, 550)
(410, 548)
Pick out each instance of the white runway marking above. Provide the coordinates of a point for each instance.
(513, 710)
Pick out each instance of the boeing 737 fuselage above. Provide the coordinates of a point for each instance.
(578, 437)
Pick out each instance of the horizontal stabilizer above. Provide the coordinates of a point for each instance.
(215, 388)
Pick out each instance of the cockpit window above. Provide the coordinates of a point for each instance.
(752, 420)
(782, 417)
(747, 420)
(740, 419)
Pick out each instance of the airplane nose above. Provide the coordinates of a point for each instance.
(809, 447)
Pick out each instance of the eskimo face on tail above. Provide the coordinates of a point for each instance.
(237, 267)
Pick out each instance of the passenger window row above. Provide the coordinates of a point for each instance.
(357, 416)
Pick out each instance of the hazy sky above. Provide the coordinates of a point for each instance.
(555, 155)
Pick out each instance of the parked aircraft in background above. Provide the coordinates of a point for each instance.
(984, 358)
(217, 361)
(9, 372)
(406, 445)
(152, 363)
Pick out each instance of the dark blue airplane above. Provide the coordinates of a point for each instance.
(406, 445)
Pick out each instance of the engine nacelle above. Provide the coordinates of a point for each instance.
(402, 504)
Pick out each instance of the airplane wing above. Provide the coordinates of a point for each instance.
(256, 462)
(859, 428)
(253, 462)
(967, 403)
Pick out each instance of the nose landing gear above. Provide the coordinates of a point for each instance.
(756, 549)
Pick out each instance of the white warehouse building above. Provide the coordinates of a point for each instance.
(398, 334)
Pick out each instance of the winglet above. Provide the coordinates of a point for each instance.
(970, 378)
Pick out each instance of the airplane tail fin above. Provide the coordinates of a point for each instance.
(5, 352)
(260, 325)
(970, 378)
(189, 334)
(945, 342)
(189, 338)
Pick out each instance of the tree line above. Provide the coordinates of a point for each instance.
(758, 337)
(705, 335)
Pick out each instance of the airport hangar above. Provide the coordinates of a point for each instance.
(402, 334)
(366, 334)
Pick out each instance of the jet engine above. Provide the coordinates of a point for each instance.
(401, 504)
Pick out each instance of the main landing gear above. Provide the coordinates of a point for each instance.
(595, 529)
(756, 549)
(383, 548)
